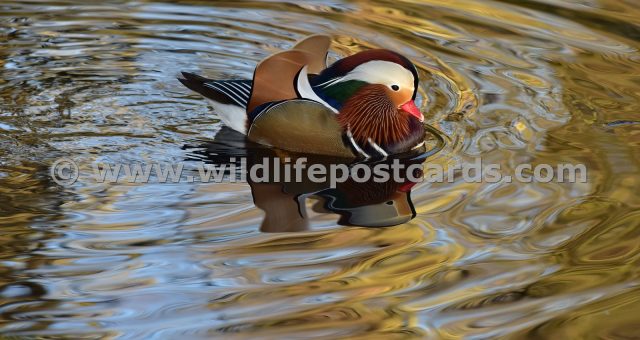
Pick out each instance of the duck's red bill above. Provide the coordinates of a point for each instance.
(411, 108)
(406, 187)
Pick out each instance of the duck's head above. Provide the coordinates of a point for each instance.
(374, 93)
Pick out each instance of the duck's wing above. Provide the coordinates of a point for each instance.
(317, 48)
(232, 92)
(300, 125)
(282, 76)
(229, 98)
(275, 78)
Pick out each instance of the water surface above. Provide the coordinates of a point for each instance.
(509, 81)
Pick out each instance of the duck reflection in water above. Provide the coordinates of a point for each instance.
(357, 203)
(367, 204)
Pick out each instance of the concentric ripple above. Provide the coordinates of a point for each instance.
(509, 81)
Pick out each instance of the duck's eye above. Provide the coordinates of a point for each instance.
(395, 87)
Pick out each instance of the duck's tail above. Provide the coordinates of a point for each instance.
(229, 98)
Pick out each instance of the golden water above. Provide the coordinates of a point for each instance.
(509, 81)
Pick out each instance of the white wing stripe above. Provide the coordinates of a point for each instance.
(226, 92)
(306, 91)
(232, 92)
(245, 84)
(355, 145)
(238, 87)
(377, 148)
(240, 96)
(329, 82)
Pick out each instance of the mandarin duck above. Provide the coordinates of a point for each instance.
(361, 106)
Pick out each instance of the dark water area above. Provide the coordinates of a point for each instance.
(539, 82)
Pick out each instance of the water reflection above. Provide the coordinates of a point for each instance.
(283, 199)
(509, 81)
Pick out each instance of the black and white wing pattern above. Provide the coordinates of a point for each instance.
(238, 91)
(234, 92)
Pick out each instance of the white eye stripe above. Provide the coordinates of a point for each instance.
(381, 72)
